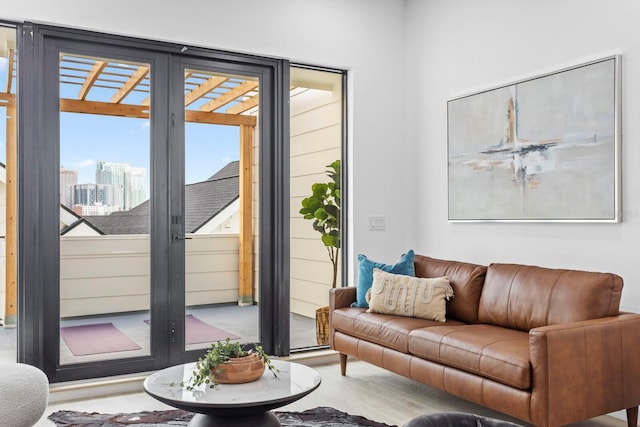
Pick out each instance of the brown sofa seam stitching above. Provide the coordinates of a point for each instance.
(611, 294)
(478, 371)
(470, 352)
(513, 278)
(555, 286)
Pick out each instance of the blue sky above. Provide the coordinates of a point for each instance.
(87, 139)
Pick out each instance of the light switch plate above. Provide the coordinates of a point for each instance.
(377, 223)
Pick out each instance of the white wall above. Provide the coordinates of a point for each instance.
(461, 46)
(364, 36)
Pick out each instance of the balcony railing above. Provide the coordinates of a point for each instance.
(111, 274)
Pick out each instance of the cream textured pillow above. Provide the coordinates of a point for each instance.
(409, 296)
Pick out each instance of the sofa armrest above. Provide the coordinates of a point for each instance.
(341, 297)
(584, 369)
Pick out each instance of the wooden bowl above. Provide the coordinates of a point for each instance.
(239, 370)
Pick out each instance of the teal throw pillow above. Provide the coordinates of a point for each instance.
(365, 274)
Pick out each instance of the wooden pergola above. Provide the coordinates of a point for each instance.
(8, 101)
(114, 88)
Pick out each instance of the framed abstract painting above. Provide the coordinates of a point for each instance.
(542, 149)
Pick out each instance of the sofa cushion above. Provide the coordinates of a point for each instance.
(409, 296)
(384, 329)
(496, 353)
(466, 280)
(365, 274)
(525, 297)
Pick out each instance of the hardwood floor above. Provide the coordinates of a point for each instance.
(366, 390)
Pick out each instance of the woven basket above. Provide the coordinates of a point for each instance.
(322, 325)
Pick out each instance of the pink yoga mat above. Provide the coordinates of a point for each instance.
(197, 331)
(95, 339)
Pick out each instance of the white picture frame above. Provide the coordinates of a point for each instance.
(544, 148)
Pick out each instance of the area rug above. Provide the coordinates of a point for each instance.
(317, 417)
(197, 331)
(95, 339)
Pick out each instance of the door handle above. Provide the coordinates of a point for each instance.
(177, 237)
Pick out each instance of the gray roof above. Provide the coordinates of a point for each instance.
(203, 201)
(77, 222)
(230, 170)
(129, 222)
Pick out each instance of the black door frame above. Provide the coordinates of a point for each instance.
(273, 339)
(38, 254)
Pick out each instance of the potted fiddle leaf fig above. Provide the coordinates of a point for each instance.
(323, 208)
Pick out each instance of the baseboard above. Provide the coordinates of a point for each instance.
(96, 388)
(317, 357)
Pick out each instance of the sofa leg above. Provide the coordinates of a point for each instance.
(632, 417)
(343, 367)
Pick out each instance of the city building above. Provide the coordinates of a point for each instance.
(212, 207)
(106, 195)
(68, 178)
(130, 178)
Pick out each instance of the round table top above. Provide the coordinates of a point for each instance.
(293, 382)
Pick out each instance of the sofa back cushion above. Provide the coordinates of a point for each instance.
(525, 297)
(465, 279)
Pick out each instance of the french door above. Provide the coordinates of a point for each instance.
(154, 203)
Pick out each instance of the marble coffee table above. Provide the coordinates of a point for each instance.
(237, 405)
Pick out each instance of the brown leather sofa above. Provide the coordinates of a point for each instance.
(546, 346)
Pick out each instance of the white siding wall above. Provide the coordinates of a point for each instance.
(3, 207)
(227, 221)
(111, 274)
(212, 269)
(315, 143)
(255, 192)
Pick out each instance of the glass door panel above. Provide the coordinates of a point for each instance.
(316, 124)
(8, 192)
(104, 209)
(220, 293)
(136, 254)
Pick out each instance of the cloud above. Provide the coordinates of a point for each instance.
(226, 160)
(3, 64)
(145, 125)
(86, 163)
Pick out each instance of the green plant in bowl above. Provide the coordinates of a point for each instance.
(214, 360)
